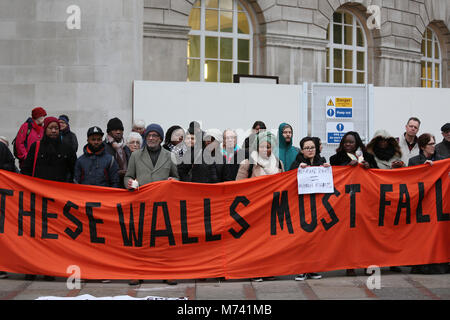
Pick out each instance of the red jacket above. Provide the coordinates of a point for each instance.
(36, 134)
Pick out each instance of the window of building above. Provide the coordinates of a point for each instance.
(220, 41)
(431, 60)
(346, 50)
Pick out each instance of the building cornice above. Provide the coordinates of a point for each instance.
(164, 31)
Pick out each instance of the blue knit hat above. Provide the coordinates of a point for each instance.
(155, 128)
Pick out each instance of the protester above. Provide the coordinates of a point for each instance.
(134, 141)
(116, 146)
(96, 167)
(427, 154)
(50, 159)
(408, 141)
(205, 164)
(233, 155)
(29, 132)
(319, 148)
(7, 161)
(257, 127)
(308, 157)
(262, 161)
(386, 151)
(287, 152)
(4, 140)
(139, 127)
(351, 151)
(174, 142)
(67, 136)
(443, 149)
(149, 164)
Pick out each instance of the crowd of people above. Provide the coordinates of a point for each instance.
(46, 148)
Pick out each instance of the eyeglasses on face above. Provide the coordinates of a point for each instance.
(309, 148)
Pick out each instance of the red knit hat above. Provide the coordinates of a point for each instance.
(38, 112)
(49, 120)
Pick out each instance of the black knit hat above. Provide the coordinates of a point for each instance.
(114, 124)
(445, 127)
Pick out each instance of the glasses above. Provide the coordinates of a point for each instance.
(309, 148)
(151, 135)
(135, 142)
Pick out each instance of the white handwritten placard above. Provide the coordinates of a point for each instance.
(315, 180)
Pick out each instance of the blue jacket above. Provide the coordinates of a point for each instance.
(97, 169)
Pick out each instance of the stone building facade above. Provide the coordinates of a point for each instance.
(290, 38)
(88, 73)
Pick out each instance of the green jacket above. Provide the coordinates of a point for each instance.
(140, 167)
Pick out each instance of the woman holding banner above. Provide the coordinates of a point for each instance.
(351, 152)
(427, 144)
(309, 156)
(262, 161)
(50, 159)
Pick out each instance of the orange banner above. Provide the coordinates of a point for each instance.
(252, 228)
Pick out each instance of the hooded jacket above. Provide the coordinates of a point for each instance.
(287, 152)
(36, 134)
(97, 169)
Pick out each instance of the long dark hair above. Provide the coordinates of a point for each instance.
(359, 143)
(168, 136)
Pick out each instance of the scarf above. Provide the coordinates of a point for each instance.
(121, 156)
(269, 165)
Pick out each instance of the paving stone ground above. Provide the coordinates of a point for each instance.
(334, 285)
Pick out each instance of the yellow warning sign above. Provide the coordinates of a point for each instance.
(330, 103)
(344, 102)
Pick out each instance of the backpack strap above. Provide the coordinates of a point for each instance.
(25, 143)
(38, 144)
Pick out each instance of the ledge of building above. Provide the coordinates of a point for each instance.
(164, 31)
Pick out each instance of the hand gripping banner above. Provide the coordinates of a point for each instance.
(252, 228)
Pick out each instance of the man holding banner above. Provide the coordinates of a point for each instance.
(149, 164)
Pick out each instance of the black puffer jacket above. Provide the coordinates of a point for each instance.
(7, 161)
(317, 161)
(342, 159)
(194, 169)
(55, 161)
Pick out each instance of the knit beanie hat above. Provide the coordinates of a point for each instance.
(64, 118)
(49, 120)
(38, 112)
(114, 124)
(155, 128)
